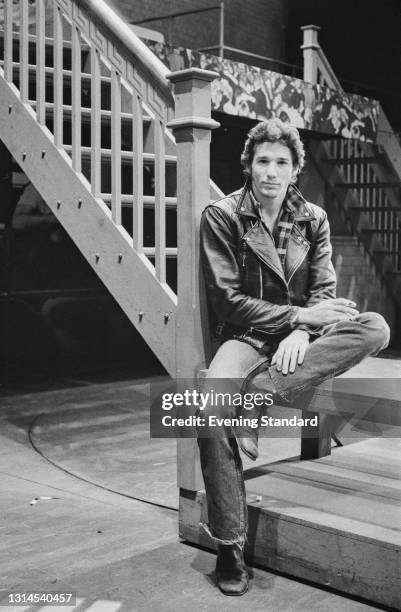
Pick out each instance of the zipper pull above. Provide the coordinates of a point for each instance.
(219, 329)
(243, 253)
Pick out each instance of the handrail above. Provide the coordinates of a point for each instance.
(327, 71)
(121, 34)
(314, 61)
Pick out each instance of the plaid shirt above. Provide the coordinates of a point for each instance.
(285, 221)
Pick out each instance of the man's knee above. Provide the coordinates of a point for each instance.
(377, 330)
(232, 360)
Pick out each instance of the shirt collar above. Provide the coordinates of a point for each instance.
(294, 202)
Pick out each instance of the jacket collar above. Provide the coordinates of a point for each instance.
(294, 201)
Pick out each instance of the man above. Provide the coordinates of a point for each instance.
(266, 257)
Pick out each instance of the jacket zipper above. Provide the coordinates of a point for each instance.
(243, 250)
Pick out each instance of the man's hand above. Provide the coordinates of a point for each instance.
(328, 312)
(291, 351)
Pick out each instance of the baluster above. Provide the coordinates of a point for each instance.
(40, 63)
(347, 149)
(96, 167)
(372, 195)
(58, 77)
(116, 147)
(76, 99)
(393, 225)
(355, 153)
(160, 201)
(386, 221)
(137, 173)
(363, 172)
(380, 215)
(23, 51)
(8, 40)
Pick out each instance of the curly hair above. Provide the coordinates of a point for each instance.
(273, 130)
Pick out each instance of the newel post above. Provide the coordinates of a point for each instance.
(192, 127)
(310, 48)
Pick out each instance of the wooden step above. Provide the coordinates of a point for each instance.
(372, 159)
(370, 185)
(336, 526)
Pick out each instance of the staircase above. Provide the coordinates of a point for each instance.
(363, 179)
(84, 113)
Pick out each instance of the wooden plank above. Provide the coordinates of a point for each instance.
(96, 167)
(365, 464)
(339, 502)
(137, 173)
(331, 555)
(40, 62)
(325, 475)
(116, 147)
(58, 76)
(76, 99)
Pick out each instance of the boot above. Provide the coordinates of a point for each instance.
(231, 574)
(247, 437)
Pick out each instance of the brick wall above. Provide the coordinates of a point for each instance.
(257, 26)
(357, 279)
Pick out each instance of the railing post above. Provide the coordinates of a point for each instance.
(192, 127)
(310, 48)
(221, 31)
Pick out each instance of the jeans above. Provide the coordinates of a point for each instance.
(340, 347)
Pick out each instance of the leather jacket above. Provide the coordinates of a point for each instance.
(245, 282)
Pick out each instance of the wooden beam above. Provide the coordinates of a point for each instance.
(192, 127)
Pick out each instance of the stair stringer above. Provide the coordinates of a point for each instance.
(357, 222)
(128, 275)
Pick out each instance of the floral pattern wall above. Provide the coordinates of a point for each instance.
(249, 91)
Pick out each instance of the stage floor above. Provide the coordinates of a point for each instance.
(89, 504)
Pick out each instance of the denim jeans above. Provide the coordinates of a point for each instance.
(340, 347)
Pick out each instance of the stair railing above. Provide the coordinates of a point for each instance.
(89, 68)
(317, 70)
(360, 163)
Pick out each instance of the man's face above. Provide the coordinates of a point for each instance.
(272, 171)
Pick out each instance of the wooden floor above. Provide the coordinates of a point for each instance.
(76, 462)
